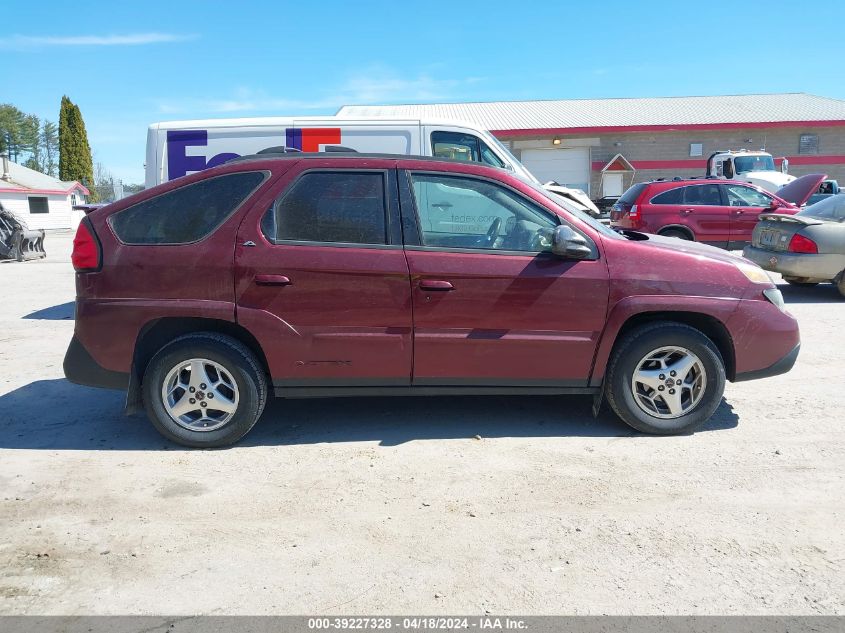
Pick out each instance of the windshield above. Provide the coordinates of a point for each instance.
(515, 165)
(570, 206)
(745, 164)
(832, 208)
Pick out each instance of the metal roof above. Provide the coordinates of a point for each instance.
(26, 179)
(649, 113)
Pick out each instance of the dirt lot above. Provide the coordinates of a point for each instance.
(391, 505)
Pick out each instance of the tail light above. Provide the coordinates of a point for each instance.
(87, 254)
(801, 244)
(621, 208)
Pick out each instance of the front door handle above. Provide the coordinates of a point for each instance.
(686, 211)
(435, 284)
(272, 280)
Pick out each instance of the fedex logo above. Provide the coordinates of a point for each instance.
(181, 162)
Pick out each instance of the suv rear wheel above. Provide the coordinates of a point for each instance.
(665, 378)
(204, 390)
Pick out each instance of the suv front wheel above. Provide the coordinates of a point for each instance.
(204, 390)
(665, 378)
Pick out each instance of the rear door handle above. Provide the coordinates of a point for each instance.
(434, 284)
(687, 210)
(272, 280)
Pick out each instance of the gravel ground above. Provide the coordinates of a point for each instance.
(367, 506)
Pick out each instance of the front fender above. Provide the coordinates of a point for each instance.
(654, 306)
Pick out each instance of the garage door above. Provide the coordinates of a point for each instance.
(568, 167)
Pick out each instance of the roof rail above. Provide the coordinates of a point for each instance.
(340, 152)
(278, 149)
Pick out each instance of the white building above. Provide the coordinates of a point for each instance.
(39, 200)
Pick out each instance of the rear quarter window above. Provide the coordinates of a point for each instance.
(187, 214)
(630, 196)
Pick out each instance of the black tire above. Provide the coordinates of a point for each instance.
(676, 233)
(800, 281)
(840, 283)
(634, 347)
(236, 359)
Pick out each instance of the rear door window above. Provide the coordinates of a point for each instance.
(705, 195)
(187, 214)
(335, 207)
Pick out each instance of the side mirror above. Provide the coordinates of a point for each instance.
(774, 204)
(568, 244)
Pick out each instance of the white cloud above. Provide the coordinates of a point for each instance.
(19, 42)
(371, 85)
(376, 85)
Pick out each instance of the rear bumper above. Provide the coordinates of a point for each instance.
(81, 368)
(811, 266)
(625, 222)
(779, 367)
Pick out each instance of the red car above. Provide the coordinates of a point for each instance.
(342, 275)
(718, 212)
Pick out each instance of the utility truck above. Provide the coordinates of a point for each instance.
(755, 167)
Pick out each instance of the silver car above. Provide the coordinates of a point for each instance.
(806, 248)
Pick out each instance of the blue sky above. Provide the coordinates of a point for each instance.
(130, 64)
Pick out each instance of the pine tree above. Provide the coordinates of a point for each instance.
(67, 153)
(50, 148)
(75, 161)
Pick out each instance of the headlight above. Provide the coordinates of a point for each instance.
(753, 273)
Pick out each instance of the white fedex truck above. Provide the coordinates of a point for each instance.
(177, 148)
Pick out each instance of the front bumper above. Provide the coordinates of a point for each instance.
(805, 265)
(763, 336)
(779, 367)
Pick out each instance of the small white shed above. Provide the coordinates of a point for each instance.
(41, 201)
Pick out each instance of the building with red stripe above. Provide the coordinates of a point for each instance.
(603, 145)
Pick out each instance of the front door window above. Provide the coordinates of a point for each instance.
(739, 196)
(459, 212)
(461, 146)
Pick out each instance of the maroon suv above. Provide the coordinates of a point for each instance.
(343, 275)
(718, 212)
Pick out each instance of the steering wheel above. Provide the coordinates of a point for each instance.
(493, 232)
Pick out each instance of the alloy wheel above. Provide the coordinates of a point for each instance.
(200, 395)
(669, 382)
